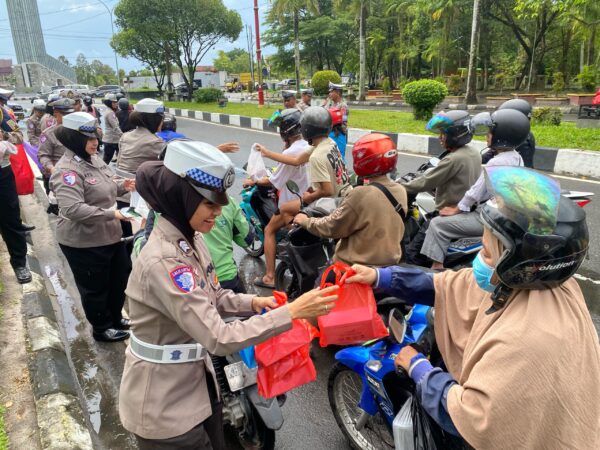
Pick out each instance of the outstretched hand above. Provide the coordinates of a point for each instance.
(229, 147)
(364, 275)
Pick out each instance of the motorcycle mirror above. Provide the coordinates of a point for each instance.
(240, 171)
(293, 187)
(397, 324)
(434, 162)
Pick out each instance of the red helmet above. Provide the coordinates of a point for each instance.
(374, 154)
(337, 115)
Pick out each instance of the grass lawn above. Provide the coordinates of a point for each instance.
(3, 436)
(567, 135)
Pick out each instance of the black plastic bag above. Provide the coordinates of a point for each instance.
(427, 434)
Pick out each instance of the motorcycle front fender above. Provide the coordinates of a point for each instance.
(268, 408)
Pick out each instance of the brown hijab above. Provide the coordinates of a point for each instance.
(527, 374)
(170, 195)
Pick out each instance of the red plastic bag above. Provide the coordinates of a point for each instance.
(288, 373)
(22, 170)
(283, 361)
(354, 318)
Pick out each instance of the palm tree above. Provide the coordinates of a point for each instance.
(283, 8)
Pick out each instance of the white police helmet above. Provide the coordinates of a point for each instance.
(39, 104)
(110, 97)
(5, 94)
(205, 167)
(82, 122)
(150, 105)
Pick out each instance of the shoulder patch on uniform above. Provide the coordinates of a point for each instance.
(30, 125)
(184, 246)
(183, 278)
(43, 138)
(69, 178)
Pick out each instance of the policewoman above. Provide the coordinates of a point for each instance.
(168, 397)
(88, 229)
(112, 132)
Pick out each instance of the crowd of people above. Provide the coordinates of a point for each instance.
(506, 328)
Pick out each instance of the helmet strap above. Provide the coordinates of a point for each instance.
(499, 298)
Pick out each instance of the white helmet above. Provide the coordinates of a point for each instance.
(39, 104)
(205, 167)
(150, 105)
(82, 122)
(110, 97)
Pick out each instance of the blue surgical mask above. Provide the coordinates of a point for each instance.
(483, 274)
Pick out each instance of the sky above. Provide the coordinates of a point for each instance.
(83, 26)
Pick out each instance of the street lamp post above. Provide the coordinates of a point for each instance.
(112, 26)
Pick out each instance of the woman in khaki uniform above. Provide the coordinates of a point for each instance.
(88, 228)
(176, 305)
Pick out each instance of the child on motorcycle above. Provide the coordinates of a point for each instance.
(368, 223)
(507, 129)
(328, 177)
(520, 348)
(458, 169)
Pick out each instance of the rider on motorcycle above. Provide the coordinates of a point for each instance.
(514, 332)
(328, 174)
(456, 172)
(506, 130)
(369, 227)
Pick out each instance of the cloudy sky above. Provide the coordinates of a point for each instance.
(83, 26)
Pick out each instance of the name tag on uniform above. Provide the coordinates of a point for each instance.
(91, 180)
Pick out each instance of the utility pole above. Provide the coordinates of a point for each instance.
(261, 94)
(112, 27)
(250, 57)
(471, 95)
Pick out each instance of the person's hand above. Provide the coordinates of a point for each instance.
(364, 275)
(315, 303)
(260, 303)
(229, 147)
(264, 151)
(300, 219)
(450, 211)
(129, 185)
(119, 215)
(404, 356)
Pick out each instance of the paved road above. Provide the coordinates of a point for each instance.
(308, 419)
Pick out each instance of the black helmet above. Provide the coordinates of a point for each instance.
(289, 122)
(519, 104)
(87, 100)
(509, 127)
(315, 122)
(544, 234)
(169, 123)
(123, 104)
(119, 95)
(454, 124)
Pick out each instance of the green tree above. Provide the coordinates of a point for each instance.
(63, 59)
(233, 61)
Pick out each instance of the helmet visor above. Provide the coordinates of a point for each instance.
(439, 123)
(525, 197)
(275, 119)
(481, 124)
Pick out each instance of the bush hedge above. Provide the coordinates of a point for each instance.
(423, 96)
(547, 116)
(207, 95)
(320, 81)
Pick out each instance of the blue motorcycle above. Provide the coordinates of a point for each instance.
(258, 203)
(365, 389)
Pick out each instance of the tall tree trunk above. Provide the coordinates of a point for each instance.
(471, 97)
(297, 48)
(362, 51)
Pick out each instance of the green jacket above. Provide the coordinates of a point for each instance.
(230, 226)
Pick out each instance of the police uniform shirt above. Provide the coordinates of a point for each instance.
(51, 149)
(34, 129)
(47, 121)
(9, 126)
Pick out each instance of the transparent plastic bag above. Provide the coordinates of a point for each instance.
(256, 166)
(403, 427)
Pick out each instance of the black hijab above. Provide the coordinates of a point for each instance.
(168, 194)
(149, 121)
(74, 141)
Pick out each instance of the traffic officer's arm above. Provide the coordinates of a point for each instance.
(45, 152)
(10, 130)
(31, 137)
(445, 170)
(68, 187)
(186, 301)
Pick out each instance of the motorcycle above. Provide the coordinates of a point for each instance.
(254, 418)
(258, 203)
(421, 210)
(366, 391)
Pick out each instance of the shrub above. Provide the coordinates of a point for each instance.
(207, 95)
(386, 86)
(423, 96)
(454, 84)
(320, 81)
(587, 78)
(547, 116)
(558, 83)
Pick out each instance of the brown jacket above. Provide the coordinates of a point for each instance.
(51, 150)
(47, 121)
(452, 177)
(86, 194)
(367, 226)
(136, 147)
(112, 132)
(159, 401)
(34, 129)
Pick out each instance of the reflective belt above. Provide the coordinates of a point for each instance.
(166, 354)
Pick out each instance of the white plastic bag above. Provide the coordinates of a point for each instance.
(403, 427)
(256, 166)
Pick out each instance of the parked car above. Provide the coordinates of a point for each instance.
(71, 89)
(45, 92)
(17, 109)
(288, 82)
(181, 89)
(101, 91)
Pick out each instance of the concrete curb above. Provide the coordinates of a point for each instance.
(561, 161)
(60, 417)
